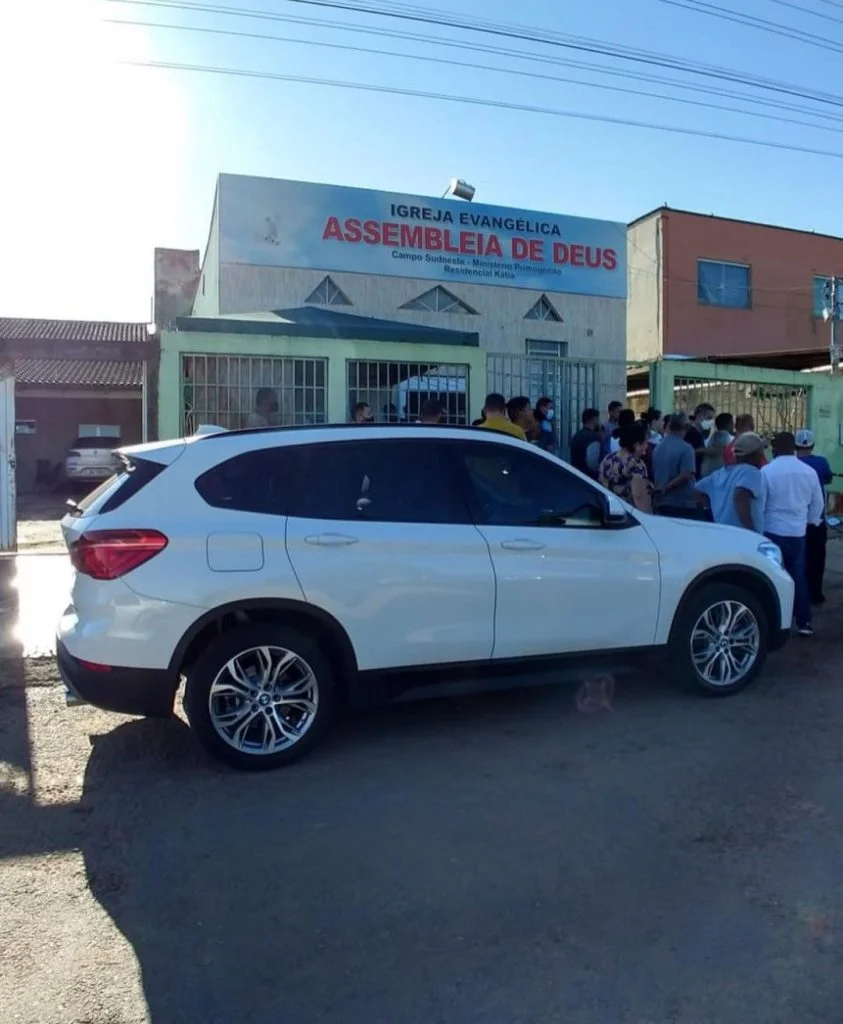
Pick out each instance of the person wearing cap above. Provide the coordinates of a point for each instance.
(816, 537)
(794, 500)
(737, 494)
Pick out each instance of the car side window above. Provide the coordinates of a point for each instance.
(252, 482)
(513, 487)
(388, 481)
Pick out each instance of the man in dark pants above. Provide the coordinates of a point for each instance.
(816, 537)
(794, 499)
(673, 473)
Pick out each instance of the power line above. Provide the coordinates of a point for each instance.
(809, 10)
(426, 58)
(578, 43)
(751, 21)
(553, 60)
(481, 102)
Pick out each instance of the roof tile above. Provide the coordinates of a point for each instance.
(90, 373)
(105, 331)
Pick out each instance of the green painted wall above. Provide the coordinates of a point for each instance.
(174, 344)
(825, 397)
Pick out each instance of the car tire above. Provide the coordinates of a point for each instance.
(239, 716)
(713, 638)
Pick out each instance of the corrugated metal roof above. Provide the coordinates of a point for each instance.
(86, 373)
(104, 331)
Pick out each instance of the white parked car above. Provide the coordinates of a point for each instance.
(91, 458)
(281, 572)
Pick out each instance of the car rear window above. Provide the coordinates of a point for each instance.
(251, 482)
(117, 489)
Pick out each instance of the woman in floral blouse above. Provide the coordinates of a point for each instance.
(624, 472)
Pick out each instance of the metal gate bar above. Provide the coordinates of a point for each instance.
(774, 407)
(573, 385)
(222, 390)
(396, 392)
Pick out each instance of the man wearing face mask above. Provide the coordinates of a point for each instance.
(266, 407)
(699, 431)
(544, 414)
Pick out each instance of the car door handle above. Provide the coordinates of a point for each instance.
(331, 540)
(522, 544)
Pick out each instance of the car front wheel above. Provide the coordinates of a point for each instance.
(260, 696)
(718, 644)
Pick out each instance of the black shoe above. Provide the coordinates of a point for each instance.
(805, 630)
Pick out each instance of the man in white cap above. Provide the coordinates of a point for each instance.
(738, 494)
(794, 499)
(816, 537)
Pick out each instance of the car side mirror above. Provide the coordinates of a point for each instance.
(614, 511)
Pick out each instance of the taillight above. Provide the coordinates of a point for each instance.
(109, 554)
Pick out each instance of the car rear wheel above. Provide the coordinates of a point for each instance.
(260, 696)
(719, 641)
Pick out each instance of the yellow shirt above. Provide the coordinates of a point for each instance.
(505, 426)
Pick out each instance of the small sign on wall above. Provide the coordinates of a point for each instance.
(25, 426)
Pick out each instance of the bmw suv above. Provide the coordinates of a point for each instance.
(280, 573)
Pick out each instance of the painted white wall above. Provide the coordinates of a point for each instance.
(207, 301)
(644, 323)
(593, 327)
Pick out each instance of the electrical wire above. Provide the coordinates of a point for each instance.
(751, 21)
(482, 102)
(808, 10)
(553, 60)
(380, 52)
(523, 33)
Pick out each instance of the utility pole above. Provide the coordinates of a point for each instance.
(831, 313)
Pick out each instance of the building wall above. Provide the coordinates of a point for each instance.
(783, 263)
(593, 327)
(176, 280)
(644, 290)
(207, 301)
(57, 421)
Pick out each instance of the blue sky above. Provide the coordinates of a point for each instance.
(112, 160)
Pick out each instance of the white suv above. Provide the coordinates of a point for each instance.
(281, 572)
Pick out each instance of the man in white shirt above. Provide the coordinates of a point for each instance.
(794, 499)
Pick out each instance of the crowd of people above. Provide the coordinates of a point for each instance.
(715, 467)
(704, 466)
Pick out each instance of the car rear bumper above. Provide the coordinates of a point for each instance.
(129, 691)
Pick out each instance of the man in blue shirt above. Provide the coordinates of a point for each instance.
(816, 537)
(737, 494)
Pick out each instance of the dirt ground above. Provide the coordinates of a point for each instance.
(39, 518)
(488, 860)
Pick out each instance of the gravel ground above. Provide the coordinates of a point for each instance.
(497, 859)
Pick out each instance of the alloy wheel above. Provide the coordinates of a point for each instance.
(263, 700)
(725, 642)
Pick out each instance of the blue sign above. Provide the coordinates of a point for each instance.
(270, 223)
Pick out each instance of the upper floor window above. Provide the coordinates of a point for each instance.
(326, 293)
(543, 310)
(438, 300)
(724, 284)
(541, 349)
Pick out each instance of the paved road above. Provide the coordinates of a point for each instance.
(489, 860)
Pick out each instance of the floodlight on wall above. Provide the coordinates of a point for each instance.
(460, 189)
